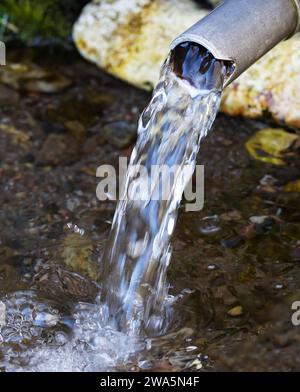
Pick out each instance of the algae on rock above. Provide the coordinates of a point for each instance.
(47, 19)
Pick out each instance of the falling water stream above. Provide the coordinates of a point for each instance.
(133, 300)
(180, 114)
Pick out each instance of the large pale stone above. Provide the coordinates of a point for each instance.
(130, 39)
(271, 86)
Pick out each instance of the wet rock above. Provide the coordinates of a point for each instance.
(49, 85)
(195, 364)
(270, 86)
(268, 180)
(76, 129)
(233, 242)
(77, 255)
(31, 78)
(223, 293)
(55, 282)
(249, 232)
(258, 219)
(265, 226)
(5, 252)
(91, 145)
(119, 133)
(8, 96)
(10, 279)
(58, 150)
(78, 110)
(231, 216)
(260, 225)
(143, 29)
(163, 365)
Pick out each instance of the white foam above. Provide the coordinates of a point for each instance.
(91, 345)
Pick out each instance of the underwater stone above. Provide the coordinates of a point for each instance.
(58, 149)
(130, 40)
(33, 79)
(54, 282)
(77, 255)
(119, 133)
(8, 96)
(233, 242)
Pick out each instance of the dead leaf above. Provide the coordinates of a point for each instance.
(269, 145)
(236, 311)
(293, 186)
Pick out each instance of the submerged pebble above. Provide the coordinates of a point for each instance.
(233, 242)
(31, 78)
(58, 149)
(236, 311)
(55, 282)
(120, 133)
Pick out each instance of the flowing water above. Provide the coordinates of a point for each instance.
(180, 114)
(133, 300)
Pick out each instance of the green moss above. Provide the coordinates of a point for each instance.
(40, 19)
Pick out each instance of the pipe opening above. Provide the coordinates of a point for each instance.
(196, 64)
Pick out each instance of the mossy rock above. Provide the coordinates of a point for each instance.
(39, 19)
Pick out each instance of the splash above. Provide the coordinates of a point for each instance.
(40, 336)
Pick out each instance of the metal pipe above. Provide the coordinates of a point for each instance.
(242, 31)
